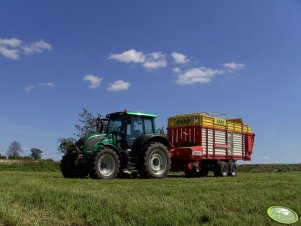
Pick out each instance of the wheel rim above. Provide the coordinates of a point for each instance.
(157, 162)
(233, 171)
(106, 165)
(224, 170)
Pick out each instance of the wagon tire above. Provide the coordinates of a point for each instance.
(216, 172)
(191, 174)
(221, 169)
(203, 171)
(232, 169)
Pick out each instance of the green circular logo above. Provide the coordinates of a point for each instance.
(282, 214)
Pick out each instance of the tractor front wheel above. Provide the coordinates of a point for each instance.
(155, 163)
(71, 170)
(105, 165)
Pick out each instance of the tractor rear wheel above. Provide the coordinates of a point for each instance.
(232, 169)
(69, 169)
(221, 170)
(105, 164)
(155, 162)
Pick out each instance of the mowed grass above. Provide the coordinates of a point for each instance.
(46, 198)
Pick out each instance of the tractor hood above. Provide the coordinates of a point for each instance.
(88, 143)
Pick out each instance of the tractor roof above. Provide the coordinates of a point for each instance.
(131, 113)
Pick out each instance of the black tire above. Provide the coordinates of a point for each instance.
(154, 162)
(232, 169)
(69, 169)
(216, 171)
(221, 170)
(195, 172)
(123, 175)
(191, 174)
(66, 166)
(105, 165)
(203, 171)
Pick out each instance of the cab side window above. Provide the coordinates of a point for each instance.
(137, 126)
(148, 126)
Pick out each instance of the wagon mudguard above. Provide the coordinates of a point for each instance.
(141, 141)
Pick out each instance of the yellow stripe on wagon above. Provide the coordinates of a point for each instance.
(204, 119)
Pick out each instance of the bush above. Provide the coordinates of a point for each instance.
(269, 168)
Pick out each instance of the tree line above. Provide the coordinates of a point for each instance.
(15, 149)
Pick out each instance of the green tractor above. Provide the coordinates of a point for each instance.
(129, 144)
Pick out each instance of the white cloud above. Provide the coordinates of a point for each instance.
(9, 53)
(177, 70)
(36, 47)
(11, 42)
(29, 88)
(179, 58)
(12, 48)
(130, 56)
(47, 84)
(155, 60)
(149, 61)
(93, 80)
(198, 75)
(119, 85)
(234, 66)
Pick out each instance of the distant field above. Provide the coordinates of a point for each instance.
(46, 198)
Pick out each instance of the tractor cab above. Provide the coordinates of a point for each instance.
(128, 126)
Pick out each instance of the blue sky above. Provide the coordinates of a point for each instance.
(242, 58)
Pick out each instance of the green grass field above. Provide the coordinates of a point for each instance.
(46, 198)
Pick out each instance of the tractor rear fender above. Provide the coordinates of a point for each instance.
(143, 140)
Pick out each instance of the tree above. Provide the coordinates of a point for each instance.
(14, 149)
(88, 123)
(65, 144)
(36, 153)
